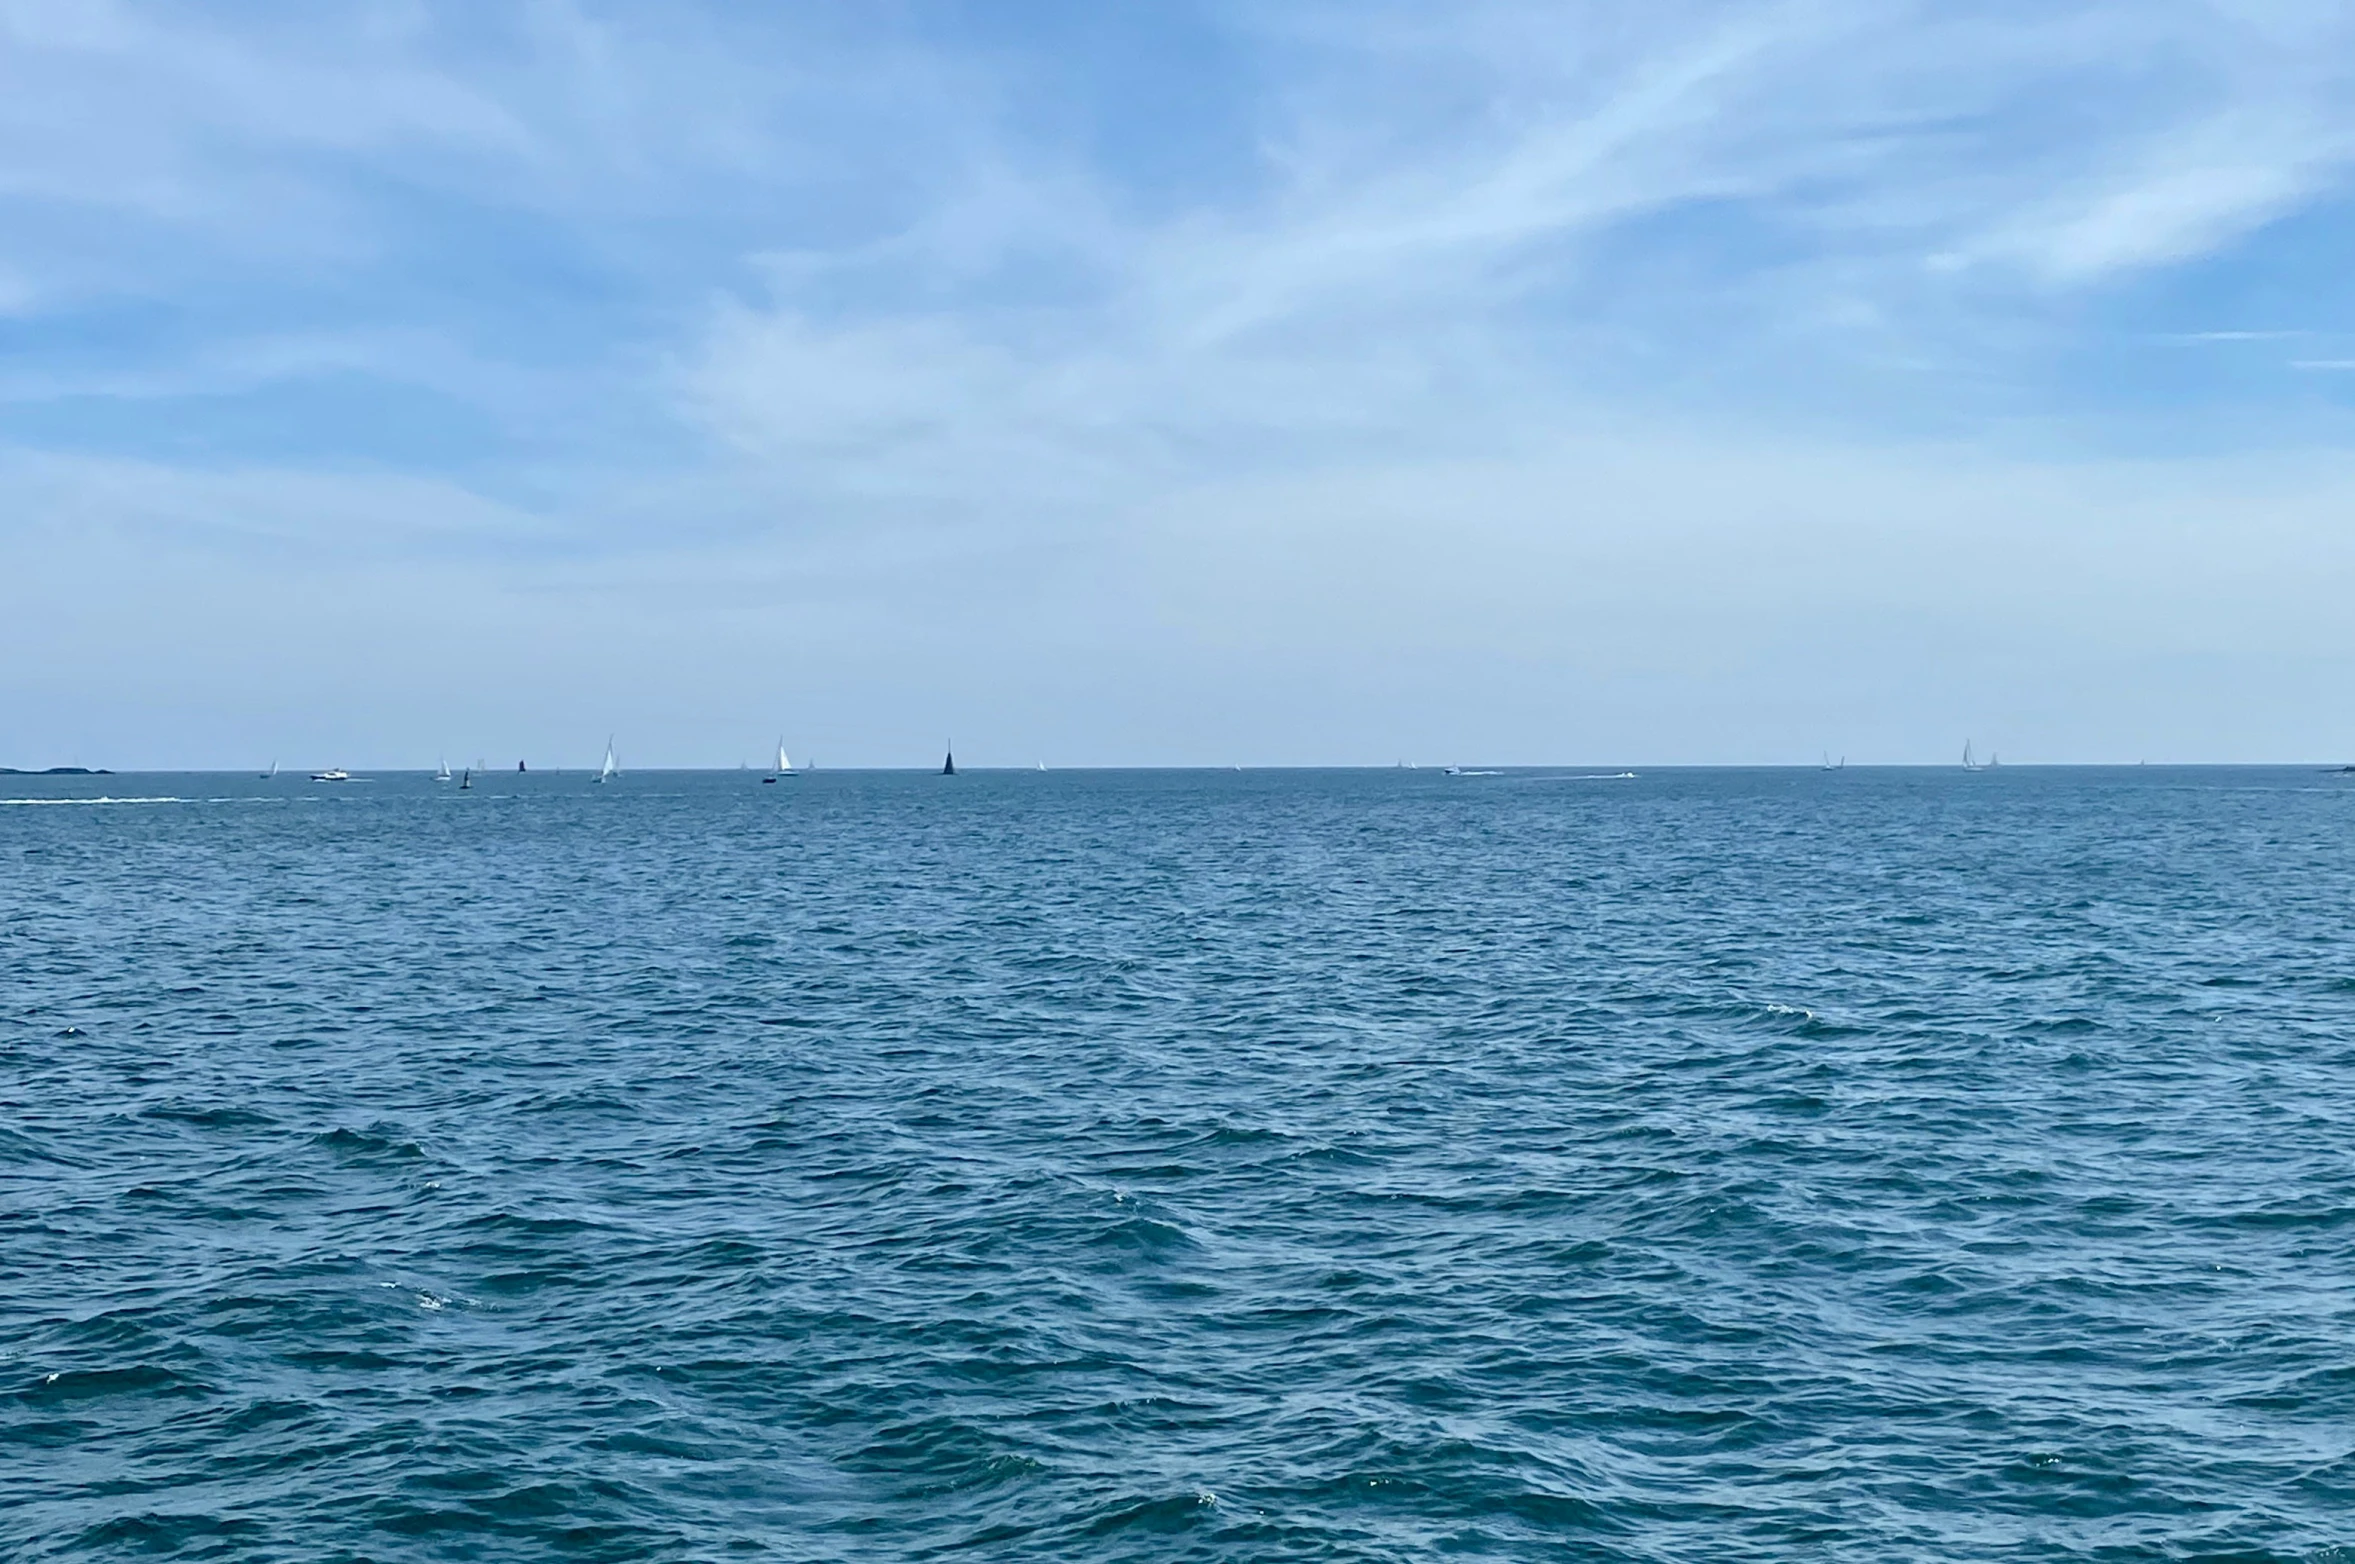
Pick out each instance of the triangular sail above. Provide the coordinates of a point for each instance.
(784, 761)
(609, 769)
(948, 767)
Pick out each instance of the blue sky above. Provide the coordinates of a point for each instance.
(1175, 383)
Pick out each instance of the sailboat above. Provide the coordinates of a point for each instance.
(948, 767)
(272, 773)
(1968, 763)
(609, 770)
(1827, 762)
(466, 781)
(441, 770)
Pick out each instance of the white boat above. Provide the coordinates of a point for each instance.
(610, 769)
(784, 761)
(1968, 763)
(441, 771)
(331, 774)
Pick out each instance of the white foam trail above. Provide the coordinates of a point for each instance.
(93, 801)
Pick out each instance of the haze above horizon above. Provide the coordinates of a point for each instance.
(1182, 384)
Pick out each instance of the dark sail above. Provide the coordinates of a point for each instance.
(948, 767)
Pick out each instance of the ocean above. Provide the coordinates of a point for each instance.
(1274, 1165)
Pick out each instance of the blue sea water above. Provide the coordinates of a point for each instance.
(1708, 1165)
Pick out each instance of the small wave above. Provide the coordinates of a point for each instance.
(210, 1116)
(20, 1148)
(364, 1145)
(141, 1380)
(160, 1532)
(1144, 1235)
(1173, 1513)
(85, 801)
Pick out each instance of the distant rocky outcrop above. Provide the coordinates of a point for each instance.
(57, 771)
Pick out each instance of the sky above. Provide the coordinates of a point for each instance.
(1590, 382)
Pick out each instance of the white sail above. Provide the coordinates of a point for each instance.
(784, 762)
(441, 770)
(610, 769)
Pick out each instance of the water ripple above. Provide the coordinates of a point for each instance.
(1325, 1166)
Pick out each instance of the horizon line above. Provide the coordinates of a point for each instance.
(1606, 768)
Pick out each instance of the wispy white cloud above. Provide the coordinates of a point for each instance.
(1513, 316)
(237, 508)
(1449, 218)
